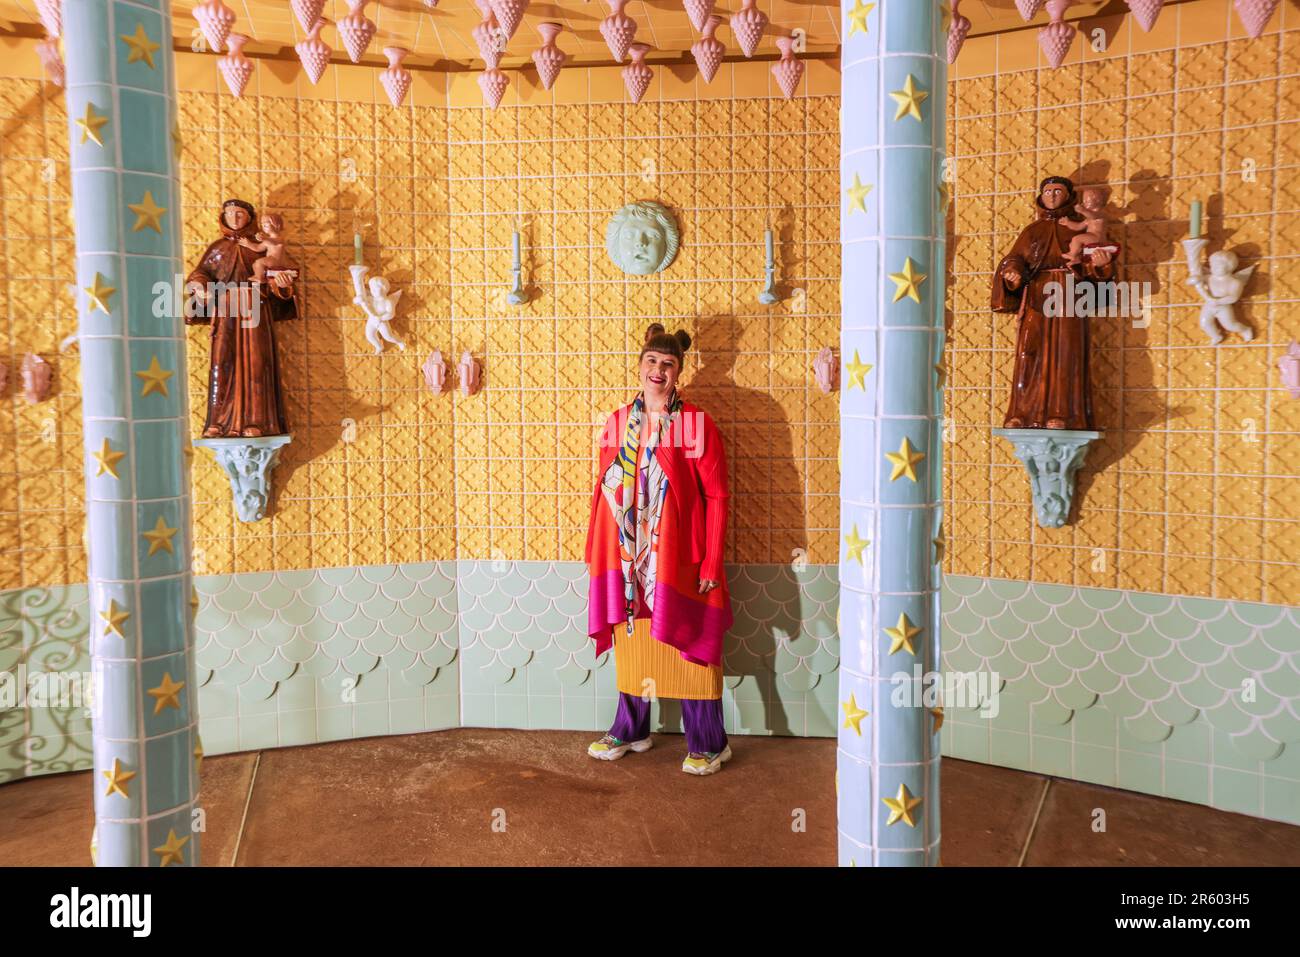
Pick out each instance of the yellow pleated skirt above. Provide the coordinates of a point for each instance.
(645, 666)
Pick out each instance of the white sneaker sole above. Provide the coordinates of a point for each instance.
(615, 753)
(714, 766)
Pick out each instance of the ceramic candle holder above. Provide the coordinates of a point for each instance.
(788, 70)
(1028, 8)
(234, 66)
(509, 13)
(637, 74)
(435, 372)
(698, 11)
(549, 58)
(1289, 365)
(1145, 12)
(307, 12)
(313, 53)
(618, 29)
(215, 22)
(1255, 14)
(396, 79)
(356, 29)
(36, 375)
(708, 50)
(1055, 38)
(52, 60)
(957, 30)
(748, 24)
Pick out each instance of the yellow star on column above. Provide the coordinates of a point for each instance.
(901, 635)
(938, 717)
(117, 779)
(853, 716)
(172, 852)
(858, 16)
(938, 547)
(908, 282)
(901, 807)
(909, 99)
(941, 373)
(198, 753)
(108, 460)
(194, 600)
(148, 214)
(904, 460)
(90, 124)
(98, 293)
(858, 370)
(858, 194)
(856, 544)
(945, 194)
(165, 695)
(113, 617)
(142, 48)
(155, 378)
(159, 537)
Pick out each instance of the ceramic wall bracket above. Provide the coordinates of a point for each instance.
(248, 463)
(768, 296)
(1051, 457)
(517, 296)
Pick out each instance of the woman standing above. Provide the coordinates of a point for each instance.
(654, 554)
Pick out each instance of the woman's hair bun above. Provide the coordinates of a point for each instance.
(652, 330)
(684, 338)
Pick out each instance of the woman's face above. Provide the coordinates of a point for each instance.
(659, 372)
(236, 217)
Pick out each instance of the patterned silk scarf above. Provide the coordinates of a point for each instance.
(636, 496)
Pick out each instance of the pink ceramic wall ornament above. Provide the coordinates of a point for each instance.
(788, 70)
(708, 50)
(1145, 12)
(698, 11)
(435, 371)
(313, 53)
(1255, 14)
(1055, 38)
(618, 29)
(509, 13)
(51, 14)
(36, 373)
(234, 66)
(356, 30)
(637, 74)
(549, 57)
(52, 60)
(826, 371)
(396, 79)
(1028, 8)
(1289, 364)
(957, 30)
(492, 81)
(307, 12)
(470, 372)
(215, 22)
(748, 24)
(489, 36)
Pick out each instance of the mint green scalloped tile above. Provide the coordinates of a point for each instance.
(378, 607)
(1147, 727)
(986, 605)
(964, 621)
(1149, 643)
(1263, 705)
(497, 637)
(380, 642)
(235, 635)
(1229, 718)
(399, 588)
(1176, 625)
(440, 655)
(532, 603)
(477, 581)
(1150, 603)
(799, 679)
(961, 658)
(1172, 710)
(1226, 674)
(1283, 726)
(1175, 669)
(1256, 746)
(1029, 609)
(802, 645)
(516, 655)
(1049, 713)
(1122, 702)
(1123, 619)
(965, 585)
(337, 608)
(823, 661)
(1283, 681)
(1284, 637)
(766, 574)
(234, 599)
(1203, 609)
(515, 620)
(496, 672)
(821, 589)
(1102, 599)
(254, 695)
(1008, 589)
(320, 665)
(1075, 655)
(1075, 696)
(1094, 726)
(1076, 613)
(573, 675)
(213, 656)
(1261, 615)
(949, 600)
(1256, 656)
(358, 590)
(359, 627)
(1186, 781)
(1050, 673)
(553, 622)
(1008, 627)
(1201, 692)
(399, 659)
(1012, 670)
(1124, 661)
(1229, 631)
(985, 644)
(552, 586)
(256, 652)
(1202, 650)
(1099, 639)
(570, 604)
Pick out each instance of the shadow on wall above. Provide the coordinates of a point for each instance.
(767, 506)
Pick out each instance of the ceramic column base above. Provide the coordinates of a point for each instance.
(1051, 457)
(248, 463)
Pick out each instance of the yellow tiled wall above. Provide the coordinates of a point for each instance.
(379, 469)
(1195, 488)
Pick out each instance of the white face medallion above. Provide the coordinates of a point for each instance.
(642, 238)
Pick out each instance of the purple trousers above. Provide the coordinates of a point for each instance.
(702, 719)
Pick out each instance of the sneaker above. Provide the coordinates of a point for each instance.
(706, 762)
(610, 748)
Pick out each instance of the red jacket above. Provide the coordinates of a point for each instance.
(695, 462)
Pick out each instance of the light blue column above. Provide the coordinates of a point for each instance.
(891, 160)
(121, 98)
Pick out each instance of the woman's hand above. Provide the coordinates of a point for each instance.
(707, 585)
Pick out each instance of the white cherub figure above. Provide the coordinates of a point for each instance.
(380, 307)
(1221, 289)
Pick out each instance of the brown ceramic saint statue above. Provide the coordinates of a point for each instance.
(1049, 384)
(243, 382)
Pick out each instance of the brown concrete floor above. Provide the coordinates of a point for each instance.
(433, 799)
